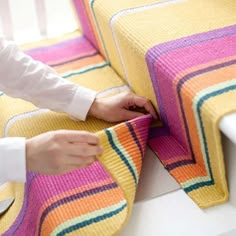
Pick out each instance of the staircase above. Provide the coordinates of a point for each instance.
(181, 55)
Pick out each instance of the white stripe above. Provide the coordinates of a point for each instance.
(34, 113)
(125, 12)
(117, 89)
(3, 186)
(22, 116)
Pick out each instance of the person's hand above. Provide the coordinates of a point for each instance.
(61, 151)
(121, 107)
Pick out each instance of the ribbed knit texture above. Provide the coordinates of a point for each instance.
(181, 55)
(76, 60)
(96, 200)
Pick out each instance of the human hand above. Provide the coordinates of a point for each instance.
(121, 107)
(61, 151)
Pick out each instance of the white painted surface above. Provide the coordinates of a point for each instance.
(175, 214)
(228, 126)
(154, 180)
(230, 233)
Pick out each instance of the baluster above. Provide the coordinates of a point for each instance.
(41, 13)
(6, 19)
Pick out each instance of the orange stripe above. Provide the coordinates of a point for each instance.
(80, 207)
(62, 195)
(73, 57)
(76, 65)
(194, 86)
(123, 135)
(94, 28)
(185, 173)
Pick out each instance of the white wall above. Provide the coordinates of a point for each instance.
(30, 20)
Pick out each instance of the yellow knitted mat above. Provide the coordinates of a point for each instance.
(94, 200)
(112, 188)
(181, 55)
(17, 116)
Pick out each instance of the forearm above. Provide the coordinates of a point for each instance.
(23, 77)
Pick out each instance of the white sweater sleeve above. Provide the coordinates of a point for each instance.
(23, 77)
(12, 160)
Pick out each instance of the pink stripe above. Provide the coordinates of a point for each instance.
(84, 20)
(170, 64)
(167, 148)
(44, 187)
(62, 51)
(75, 179)
(199, 54)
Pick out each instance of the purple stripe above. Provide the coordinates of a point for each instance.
(141, 126)
(191, 40)
(158, 132)
(19, 219)
(178, 164)
(134, 136)
(162, 78)
(52, 186)
(150, 60)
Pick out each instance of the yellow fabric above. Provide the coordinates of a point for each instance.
(21, 118)
(107, 220)
(11, 190)
(23, 111)
(168, 21)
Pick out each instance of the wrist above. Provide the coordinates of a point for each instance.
(95, 109)
(28, 155)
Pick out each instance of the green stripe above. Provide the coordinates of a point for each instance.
(89, 218)
(199, 99)
(99, 30)
(126, 154)
(122, 153)
(84, 70)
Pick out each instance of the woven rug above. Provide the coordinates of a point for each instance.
(96, 200)
(76, 60)
(181, 55)
(186, 68)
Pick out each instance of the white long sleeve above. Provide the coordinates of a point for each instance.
(12, 160)
(23, 77)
